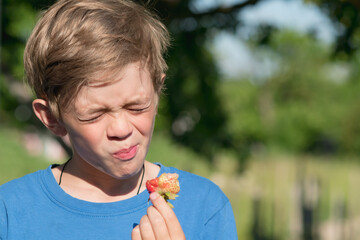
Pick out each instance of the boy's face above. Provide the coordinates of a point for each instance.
(110, 125)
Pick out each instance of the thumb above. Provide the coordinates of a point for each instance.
(156, 199)
(159, 202)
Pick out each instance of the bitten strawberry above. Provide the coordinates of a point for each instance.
(167, 186)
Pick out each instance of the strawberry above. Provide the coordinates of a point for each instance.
(167, 186)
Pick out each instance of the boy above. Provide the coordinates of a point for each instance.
(97, 70)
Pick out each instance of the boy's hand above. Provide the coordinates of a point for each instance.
(159, 223)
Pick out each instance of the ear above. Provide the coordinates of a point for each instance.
(43, 112)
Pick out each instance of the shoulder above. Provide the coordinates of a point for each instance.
(17, 188)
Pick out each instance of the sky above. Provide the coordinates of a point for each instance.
(235, 59)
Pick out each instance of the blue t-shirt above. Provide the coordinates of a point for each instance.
(35, 207)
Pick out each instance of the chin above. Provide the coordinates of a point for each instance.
(127, 171)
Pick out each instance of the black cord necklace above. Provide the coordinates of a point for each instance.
(142, 178)
(62, 170)
(141, 181)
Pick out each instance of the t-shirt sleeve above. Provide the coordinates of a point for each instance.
(221, 225)
(3, 220)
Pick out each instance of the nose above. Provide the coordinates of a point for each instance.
(119, 127)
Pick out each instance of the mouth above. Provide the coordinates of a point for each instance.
(126, 153)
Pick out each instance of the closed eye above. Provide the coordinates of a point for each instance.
(89, 120)
(138, 109)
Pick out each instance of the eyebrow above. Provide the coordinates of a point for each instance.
(138, 101)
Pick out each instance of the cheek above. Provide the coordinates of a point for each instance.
(144, 124)
(85, 137)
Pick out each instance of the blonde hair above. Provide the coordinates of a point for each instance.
(75, 40)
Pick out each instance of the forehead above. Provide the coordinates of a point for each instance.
(107, 77)
(130, 83)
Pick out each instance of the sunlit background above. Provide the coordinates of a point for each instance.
(262, 97)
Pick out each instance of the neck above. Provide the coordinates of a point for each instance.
(83, 181)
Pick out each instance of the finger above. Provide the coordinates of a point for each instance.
(135, 234)
(146, 230)
(168, 214)
(158, 223)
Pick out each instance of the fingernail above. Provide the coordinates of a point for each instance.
(154, 195)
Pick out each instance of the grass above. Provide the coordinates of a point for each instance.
(272, 179)
(275, 181)
(15, 161)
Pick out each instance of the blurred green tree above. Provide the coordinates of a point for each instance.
(303, 95)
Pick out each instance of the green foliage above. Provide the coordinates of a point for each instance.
(351, 129)
(241, 103)
(309, 104)
(18, 20)
(21, 20)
